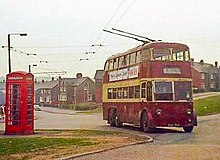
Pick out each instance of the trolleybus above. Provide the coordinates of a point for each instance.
(149, 86)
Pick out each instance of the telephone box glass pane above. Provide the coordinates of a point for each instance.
(14, 115)
(29, 105)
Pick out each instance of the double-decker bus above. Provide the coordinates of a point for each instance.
(149, 86)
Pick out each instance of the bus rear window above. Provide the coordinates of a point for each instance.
(163, 91)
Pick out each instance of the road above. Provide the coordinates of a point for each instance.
(52, 118)
(203, 143)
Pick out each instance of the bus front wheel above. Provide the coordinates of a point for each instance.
(188, 129)
(144, 123)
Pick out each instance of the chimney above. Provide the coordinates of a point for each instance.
(192, 61)
(216, 64)
(52, 79)
(59, 80)
(201, 62)
(79, 75)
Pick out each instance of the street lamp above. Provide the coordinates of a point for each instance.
(29, 67)
(9, 48)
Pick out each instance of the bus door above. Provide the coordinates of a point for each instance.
(146, 91)
(149, 91)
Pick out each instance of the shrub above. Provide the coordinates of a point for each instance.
(86, 106)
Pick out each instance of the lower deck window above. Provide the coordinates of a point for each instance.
(137, 92)
(131, 92)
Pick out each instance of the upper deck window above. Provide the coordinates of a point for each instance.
(138, 57)
(167, 55)
(123, 61)
(146, 54)
(133, 58)
(187, 56)
(180, 55)
(115, 63)
(106, 65)
(111, 62)
(161, 54)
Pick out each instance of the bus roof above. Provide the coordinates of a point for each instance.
(160, 45)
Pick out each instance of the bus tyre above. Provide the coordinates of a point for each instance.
(114, 118)
(117, 121)
(111, 118)
(188, 129)
(144, 123)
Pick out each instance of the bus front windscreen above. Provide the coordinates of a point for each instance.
(182, 91)
(164, 91)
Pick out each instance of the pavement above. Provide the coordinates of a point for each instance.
(2, 120)
(204, 95)
(58, 110)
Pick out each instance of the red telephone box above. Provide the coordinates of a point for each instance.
(19, 110)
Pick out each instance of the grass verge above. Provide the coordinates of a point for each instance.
(207, 106)
(54, 144)
(93, 111)
(36, 144)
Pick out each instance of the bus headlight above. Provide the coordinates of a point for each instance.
(158, 112)
(188, 111)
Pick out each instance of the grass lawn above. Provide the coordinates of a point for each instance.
(33, 144)
(207, 106)
(55, 144)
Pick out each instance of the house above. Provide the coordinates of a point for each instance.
(206, 77)
(46, 92)
(2, 92)
(76, 90)
(98, 85)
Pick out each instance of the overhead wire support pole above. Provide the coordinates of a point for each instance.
(9, 54)
(152, 40)
(9, 48)
(126, 36)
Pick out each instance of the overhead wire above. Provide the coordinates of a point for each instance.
(100, 34)
(126, 10)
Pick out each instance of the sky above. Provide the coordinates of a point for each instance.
(61, 32)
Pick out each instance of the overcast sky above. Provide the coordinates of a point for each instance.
(62, 31)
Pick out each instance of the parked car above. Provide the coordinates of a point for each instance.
(37, 107)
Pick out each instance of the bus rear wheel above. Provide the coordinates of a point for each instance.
(114, 118)
(144, 123)
(188, 129)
